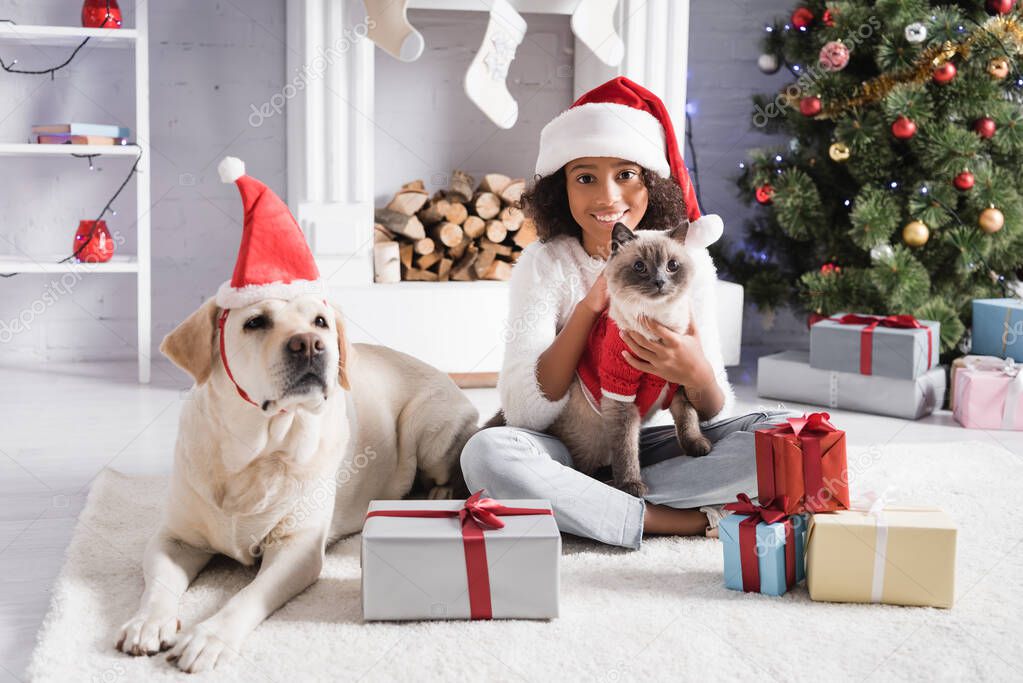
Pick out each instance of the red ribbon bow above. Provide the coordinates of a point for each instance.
(749, 559)
(476, 515)
(867, 335)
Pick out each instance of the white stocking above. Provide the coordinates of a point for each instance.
(485, 80)
(388, 27)
(593, 24)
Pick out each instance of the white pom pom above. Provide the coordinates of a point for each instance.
(705, 231)
(230, 169)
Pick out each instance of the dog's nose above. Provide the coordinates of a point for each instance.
(306, 344)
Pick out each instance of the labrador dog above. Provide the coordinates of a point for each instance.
(278, 455)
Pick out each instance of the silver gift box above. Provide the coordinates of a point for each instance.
(414, 568)
(896, 352)
(789, 377)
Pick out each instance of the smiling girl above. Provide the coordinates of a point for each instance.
(612, 157)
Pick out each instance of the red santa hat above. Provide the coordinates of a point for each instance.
(274, 261)
(623, 119)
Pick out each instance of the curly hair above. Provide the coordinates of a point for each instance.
(547, 204)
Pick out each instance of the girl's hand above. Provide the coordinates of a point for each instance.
(597, 298)
(678, 358)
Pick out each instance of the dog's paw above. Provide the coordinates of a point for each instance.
(634, 488)
(146, 634)
(200, 649)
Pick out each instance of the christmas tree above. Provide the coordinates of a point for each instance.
(899, 189)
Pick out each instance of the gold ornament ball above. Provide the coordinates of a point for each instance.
(991, 220)
(915, 234)
(998, 68)
(839, 152)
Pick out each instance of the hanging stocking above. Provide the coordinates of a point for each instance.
(485, 79)
(593, 24)
(388, 27)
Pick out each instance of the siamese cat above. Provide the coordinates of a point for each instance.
(648, 273)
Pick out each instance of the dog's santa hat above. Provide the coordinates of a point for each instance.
(623, 119)
(274, 260)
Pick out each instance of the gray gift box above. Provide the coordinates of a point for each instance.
(789, 377)
(415, 568)
(895, 352)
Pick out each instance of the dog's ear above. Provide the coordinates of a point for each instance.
(190, 344)
(342, 349)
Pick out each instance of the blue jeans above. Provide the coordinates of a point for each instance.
(510, 462)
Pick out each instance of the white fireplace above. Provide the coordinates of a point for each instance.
(344, 159)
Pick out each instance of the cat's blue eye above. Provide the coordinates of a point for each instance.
(672, 265)
(639, 266)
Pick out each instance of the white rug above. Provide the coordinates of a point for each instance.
(661, 613)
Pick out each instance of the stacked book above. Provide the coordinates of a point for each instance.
(80, 134)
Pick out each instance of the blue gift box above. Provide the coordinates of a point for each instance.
(770, 551)
(998, 328)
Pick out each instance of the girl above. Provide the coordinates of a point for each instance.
(612, 157)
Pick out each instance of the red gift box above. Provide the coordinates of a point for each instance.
(801, 466)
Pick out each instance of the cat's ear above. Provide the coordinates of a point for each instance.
(620, 234)
(679, 232)
(704, 231)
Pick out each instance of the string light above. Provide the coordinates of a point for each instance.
(777, 157)
(893, 185)
(847, 202)
(742, 164)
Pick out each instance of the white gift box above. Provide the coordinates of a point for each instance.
(417, 568)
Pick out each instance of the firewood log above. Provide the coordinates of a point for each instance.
(496, 232)
(448, 234)
(386, 262)
(408, 226)
(382, 234)
(512, 218)
(424, 261)
(462, 269)
(456, 251)
(487, 205)
(460, 189)
(494, 182)
(512, 192)
(526, 234)
(434, 210)
(408, 202)
(456, 213)
(424, 246)
(500, 249)
(474, 226)
(416, 274)
(483, 261)
(498, 270)
(405, 254)
(414, 186)
(444, 270)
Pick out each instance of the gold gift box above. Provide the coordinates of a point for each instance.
(915, 566)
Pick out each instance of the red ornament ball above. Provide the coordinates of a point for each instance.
(828, 18)
(944, 73)
(831, 269)
(834, 56)
(984, 127)
(1000, 6)
(903, 128)
(963, 181)
(101, 14)
(810, 106)
(765, 194)
(802, 17)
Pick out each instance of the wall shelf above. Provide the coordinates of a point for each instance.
(48, 264)
(28, 149)
(67, 36)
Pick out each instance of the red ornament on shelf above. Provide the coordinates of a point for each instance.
(802, 17)
(944, 73)
(101, 14)
(765, 194)
(810, 106)
(984, 127)
(903, 128)
(94, 241)
(963, 181)
(1000, 6)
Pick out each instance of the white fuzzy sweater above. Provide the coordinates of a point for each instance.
(547, 281)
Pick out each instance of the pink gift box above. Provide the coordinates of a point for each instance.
(989, 394)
